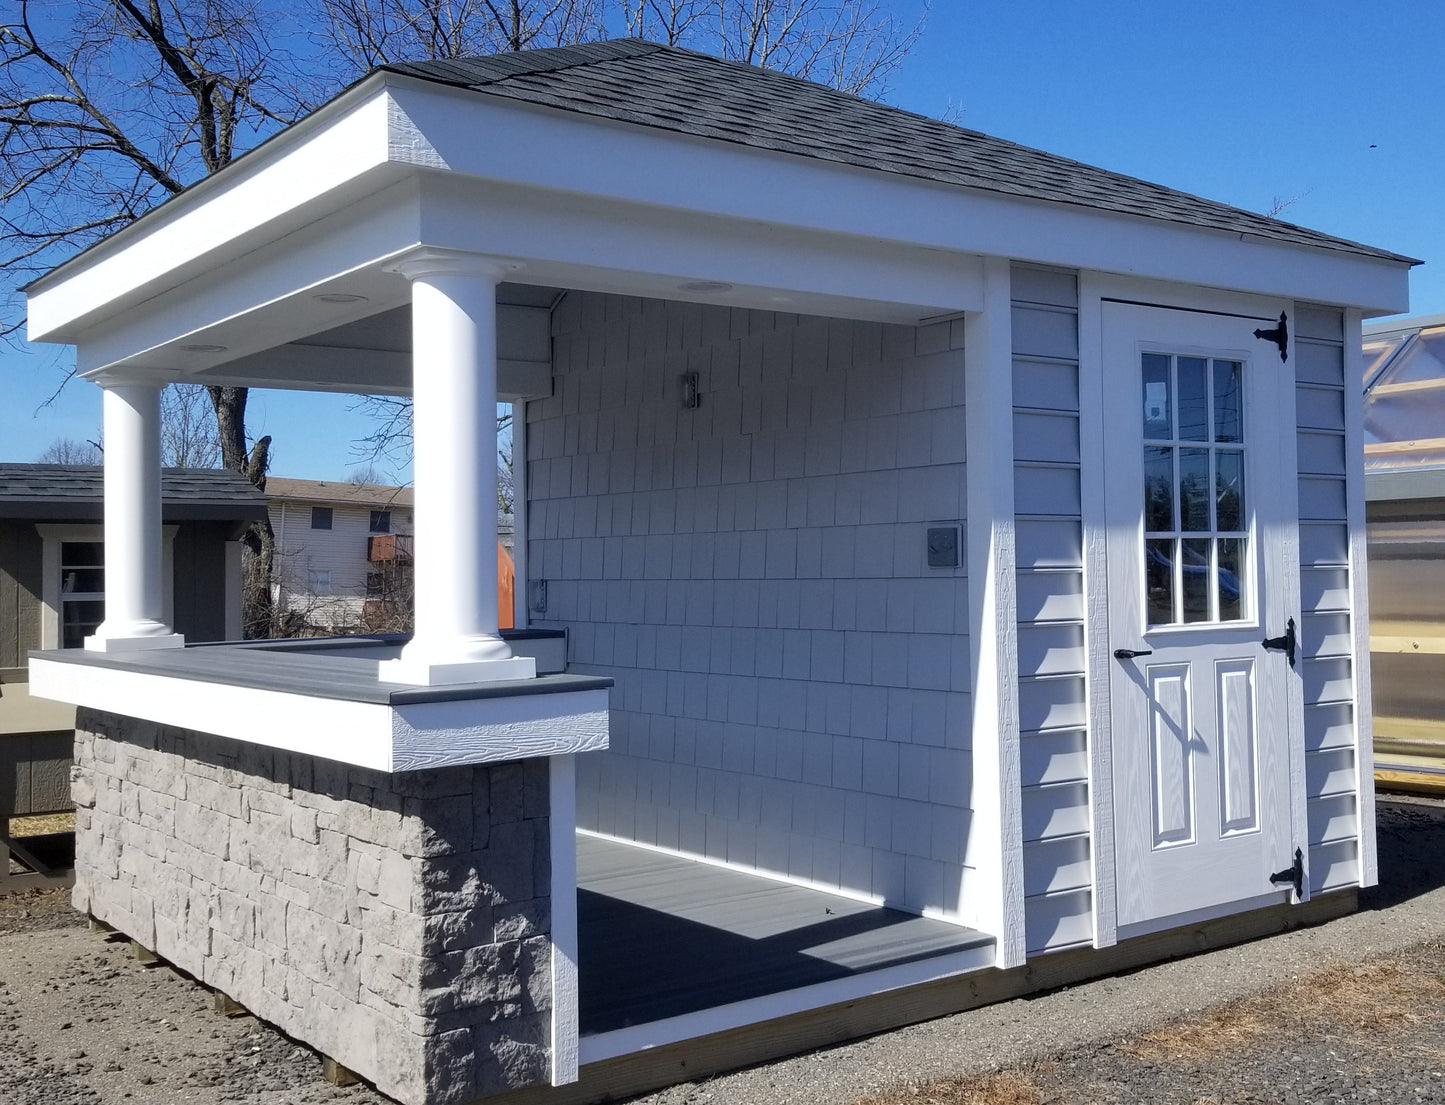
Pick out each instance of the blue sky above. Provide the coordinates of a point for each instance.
(1334, 105)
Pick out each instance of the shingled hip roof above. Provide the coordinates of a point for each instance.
(672, 89)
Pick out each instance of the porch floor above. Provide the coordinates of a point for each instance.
(661, 936)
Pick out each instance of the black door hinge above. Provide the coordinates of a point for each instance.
(1285, 642)
(1279, 335)
(1295, 876)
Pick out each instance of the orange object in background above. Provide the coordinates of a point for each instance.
(506, 588)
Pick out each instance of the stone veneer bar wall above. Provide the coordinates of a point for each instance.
(399, 924)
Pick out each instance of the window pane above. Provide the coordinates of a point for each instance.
(1194, 490)
(1157, 418)
(82, 581)
(1159, 580)
(1231, 578)
(78, 621)
(320, 517)
(1229, 491)
(1197, 573)
(82, 554)
(1158, 488)
(381, 521)
(1193, 399)
(1226, 401)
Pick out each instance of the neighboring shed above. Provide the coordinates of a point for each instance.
(1404, 413)
(52, 591)
(961, 550)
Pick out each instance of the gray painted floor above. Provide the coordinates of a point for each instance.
(661, 935)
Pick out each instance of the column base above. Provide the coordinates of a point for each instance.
(431, 673)
(98, 643)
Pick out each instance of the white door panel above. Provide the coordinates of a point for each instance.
(1199, 511)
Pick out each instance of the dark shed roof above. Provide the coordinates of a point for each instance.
(75, 493)
(669, 88)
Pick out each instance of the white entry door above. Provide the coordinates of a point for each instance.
(1199, 512)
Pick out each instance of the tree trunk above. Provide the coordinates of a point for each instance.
(259, 544)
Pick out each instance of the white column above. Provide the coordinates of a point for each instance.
(454, 465)
(134, 589)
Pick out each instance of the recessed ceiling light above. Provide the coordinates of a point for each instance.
(204, 348)
(339, 297)
(706, 286)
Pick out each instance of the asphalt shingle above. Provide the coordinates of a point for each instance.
(76, 491)
(669, 88)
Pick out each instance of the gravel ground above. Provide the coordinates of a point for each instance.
(1351, 1011)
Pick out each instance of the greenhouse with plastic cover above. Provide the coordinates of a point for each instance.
(1404, 409)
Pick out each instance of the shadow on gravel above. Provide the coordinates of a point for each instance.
(1411, 840)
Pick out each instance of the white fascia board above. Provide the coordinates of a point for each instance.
(584, 242)
(272, 278)
(353, 732)
(366, 734)
(645, 166)
(220, 217)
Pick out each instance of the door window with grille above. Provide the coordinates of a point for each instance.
(1196, 525)
(82, 591)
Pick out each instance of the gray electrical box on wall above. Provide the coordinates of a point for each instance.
(943, 542)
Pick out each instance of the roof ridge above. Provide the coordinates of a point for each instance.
(526, 63)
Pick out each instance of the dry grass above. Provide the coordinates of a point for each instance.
(40, 825)
(1005, 1088)
(1383, 997)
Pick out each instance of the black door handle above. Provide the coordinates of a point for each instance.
(1284, 643)
(1130, 653)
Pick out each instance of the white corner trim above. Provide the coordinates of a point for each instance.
(996, 829)
(625, 1041)
(1359, 603)
(562, 826)
(1096, 611)
(234, 628)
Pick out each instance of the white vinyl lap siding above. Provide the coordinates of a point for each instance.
(791, 677)
(1058, 905)
(1326, 630)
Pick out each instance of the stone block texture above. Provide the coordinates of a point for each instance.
(792, 677)
(399, 924)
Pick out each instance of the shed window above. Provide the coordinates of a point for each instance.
(381, 521)
(82, 591)
(320, 517)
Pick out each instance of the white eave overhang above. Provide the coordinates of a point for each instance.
(242, 260)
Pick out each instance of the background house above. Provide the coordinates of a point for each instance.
(343, 559)
(52, 594)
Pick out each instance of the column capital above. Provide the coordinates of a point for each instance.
(437, 261)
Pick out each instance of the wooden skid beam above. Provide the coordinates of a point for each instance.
(337, 1074)
(228, 1006)
(690, 1060)
(143, 955)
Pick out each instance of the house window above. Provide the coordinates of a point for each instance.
(375, 585)
(319, 582)
(82, 591)
(320, 517)
(381, 521)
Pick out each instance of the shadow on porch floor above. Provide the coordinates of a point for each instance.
(662, 936)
